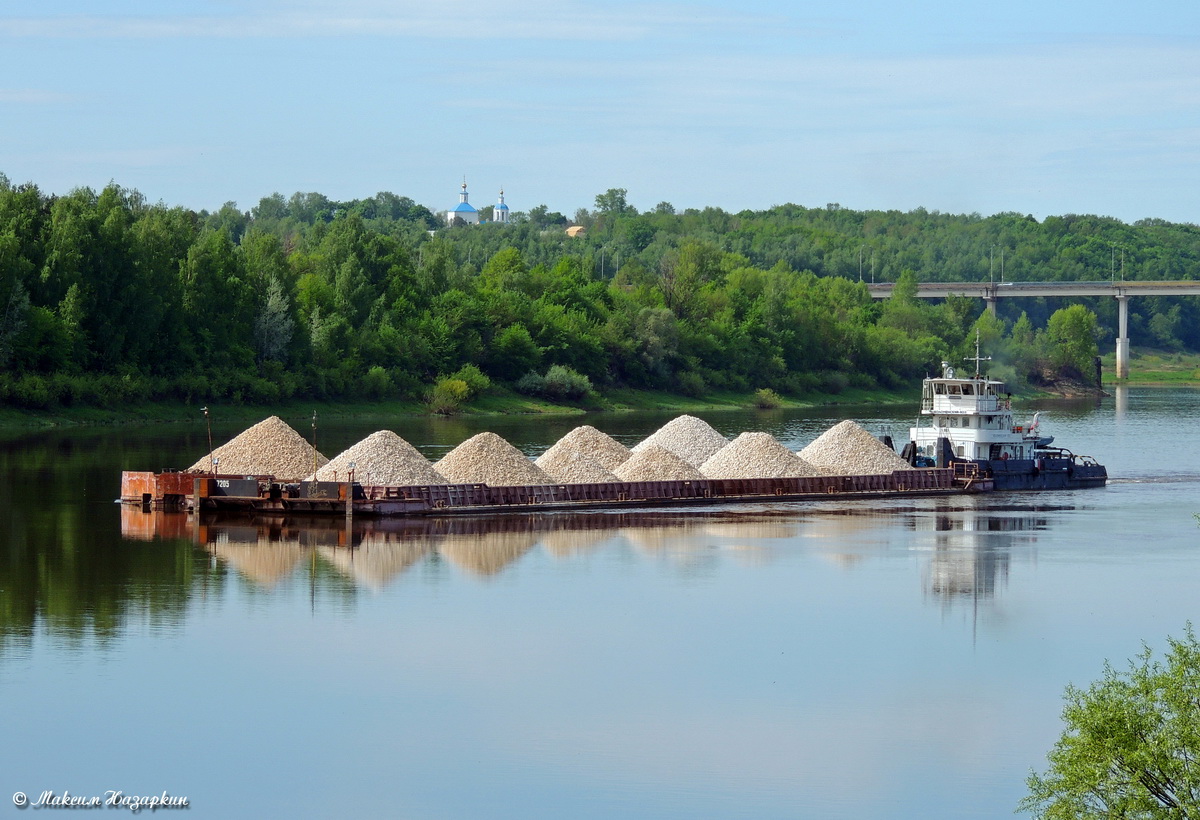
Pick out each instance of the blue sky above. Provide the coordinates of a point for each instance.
(1042, 108)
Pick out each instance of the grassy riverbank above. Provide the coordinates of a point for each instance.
(1150, 367)
(493, 403)
(1147, 367)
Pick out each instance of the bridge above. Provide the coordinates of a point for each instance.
(990, 292)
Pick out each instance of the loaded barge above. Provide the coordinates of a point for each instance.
(262, 494)
(970, 445)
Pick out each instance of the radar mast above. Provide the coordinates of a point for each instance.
(977, 358)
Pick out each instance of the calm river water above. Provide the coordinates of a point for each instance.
(834, 660)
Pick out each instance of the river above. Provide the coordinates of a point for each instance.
(901, 659)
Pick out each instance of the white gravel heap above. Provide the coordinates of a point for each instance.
(381, 459)
(572, 467)
(688, 437)
(488, 459)
(656, 463)
(848, 449)
(756, 455)
(601, 447)
(270, 447)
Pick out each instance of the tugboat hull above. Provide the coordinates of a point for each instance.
(1043, 474)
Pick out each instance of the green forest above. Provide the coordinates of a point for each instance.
(106, 298)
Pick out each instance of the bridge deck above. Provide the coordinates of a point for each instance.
(1003, 290)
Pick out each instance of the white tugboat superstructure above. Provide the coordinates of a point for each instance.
(974, 413)
(971, 423)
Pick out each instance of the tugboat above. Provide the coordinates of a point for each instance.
(971, 428)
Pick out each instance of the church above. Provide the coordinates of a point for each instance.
(464, 212)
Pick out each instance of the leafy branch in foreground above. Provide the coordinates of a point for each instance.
(1131, 747)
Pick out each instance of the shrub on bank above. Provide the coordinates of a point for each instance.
(447, 396)
(767, 399)
(560, 383)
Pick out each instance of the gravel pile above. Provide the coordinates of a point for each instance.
(382, 459)
(488, 459)
(848, 449)
(601, 447)
(571, 467)
(756, 455)
(656, 463)
(270, 447)
(688, 437)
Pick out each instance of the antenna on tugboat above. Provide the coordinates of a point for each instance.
(977, 358)
(314, 421)
(212, 466)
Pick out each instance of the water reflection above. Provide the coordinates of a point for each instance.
(972, 545)
(969, 541)
(372, 553)
(1121, 401)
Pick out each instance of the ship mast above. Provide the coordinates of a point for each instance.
(977, 358)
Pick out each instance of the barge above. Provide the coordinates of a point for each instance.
(970, 445)
(263, 494)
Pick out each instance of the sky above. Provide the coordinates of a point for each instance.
(1041, 108)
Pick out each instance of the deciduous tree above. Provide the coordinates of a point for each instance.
(1131, 746)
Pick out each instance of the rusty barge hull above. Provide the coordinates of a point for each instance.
(265, 495)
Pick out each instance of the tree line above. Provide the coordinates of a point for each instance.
(107, 298)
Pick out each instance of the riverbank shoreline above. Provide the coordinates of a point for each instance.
(507, 403)
(1153, 368)
(495, 404)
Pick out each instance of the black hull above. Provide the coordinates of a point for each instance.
(1043, 474)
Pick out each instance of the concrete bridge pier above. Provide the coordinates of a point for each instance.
(1122, 337)
(990, 301)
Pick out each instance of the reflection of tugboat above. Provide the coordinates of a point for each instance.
(972, 424)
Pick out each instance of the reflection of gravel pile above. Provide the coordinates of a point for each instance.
(264, 562)
(656, 463)
(565, 543)
(488, 459)
(688, 437)
(382, 459)
(486, 553)
(677, 538)
(270, 447)
(601, 447)
(756, 455)
(751, 528)
(848, 449)
(374, 565)
(570, 467)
